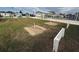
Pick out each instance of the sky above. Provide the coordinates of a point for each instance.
(42, 9)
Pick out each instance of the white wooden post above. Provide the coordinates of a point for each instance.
(67, 26)
(55, 45)
(57, 39)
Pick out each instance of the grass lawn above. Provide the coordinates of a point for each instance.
(70, 43)
(13, 37)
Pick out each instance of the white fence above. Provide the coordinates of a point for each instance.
(57, 39)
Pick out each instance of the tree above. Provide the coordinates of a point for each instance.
(10, 12)
(21, 12)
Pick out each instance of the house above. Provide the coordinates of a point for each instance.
(7, 14)
(54, 15)
(17, 14)
(4, 14)
(23, 15)
(40, 14)
(70, 16)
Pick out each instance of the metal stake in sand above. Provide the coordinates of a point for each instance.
(43, 16)
(34, 26)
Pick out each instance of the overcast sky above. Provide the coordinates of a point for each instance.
(43, 9)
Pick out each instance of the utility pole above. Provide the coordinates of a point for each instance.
(76, 16)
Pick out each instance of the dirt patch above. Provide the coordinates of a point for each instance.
(35, 30)
(51, 23)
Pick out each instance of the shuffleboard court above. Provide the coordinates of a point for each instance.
(35, 30)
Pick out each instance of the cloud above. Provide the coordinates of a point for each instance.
(69, 9)
(42, 9)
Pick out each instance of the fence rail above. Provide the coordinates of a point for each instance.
(57, 39)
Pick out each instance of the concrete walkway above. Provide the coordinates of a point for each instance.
(73, 22)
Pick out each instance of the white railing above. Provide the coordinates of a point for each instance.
(57, 39)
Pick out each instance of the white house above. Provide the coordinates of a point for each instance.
(40, 14)
(5, 14)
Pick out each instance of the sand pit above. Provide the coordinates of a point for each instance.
(51, 23)
(35, 30)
